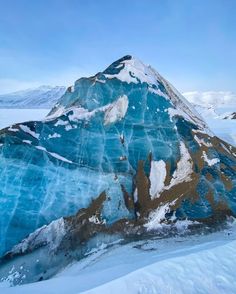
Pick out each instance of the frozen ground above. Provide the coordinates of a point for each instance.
(11, 116)
(193, 264)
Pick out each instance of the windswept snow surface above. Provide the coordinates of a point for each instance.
(191, 264)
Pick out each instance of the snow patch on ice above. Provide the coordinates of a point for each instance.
(60, 122)
(12, 129)
(202, 142)
(26, 129)
(80, 113)
(210, 162)
(55, 135)
(94, 219)
(27, 141)
(116, 110)
(184, 168)
(55, 155)
(157, 178)
(157, 216)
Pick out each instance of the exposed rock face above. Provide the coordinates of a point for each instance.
(125, 134)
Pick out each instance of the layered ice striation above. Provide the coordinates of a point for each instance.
(125, 132)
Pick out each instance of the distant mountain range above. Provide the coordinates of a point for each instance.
(213, 104)
(218, 108)
(41, 97)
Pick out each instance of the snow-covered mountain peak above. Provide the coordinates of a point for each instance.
(129, 72)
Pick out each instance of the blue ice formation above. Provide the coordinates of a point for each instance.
(95, 139)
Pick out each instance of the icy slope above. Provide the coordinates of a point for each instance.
(191, 264)
(41, 97)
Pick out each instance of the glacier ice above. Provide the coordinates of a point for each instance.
(113, 134)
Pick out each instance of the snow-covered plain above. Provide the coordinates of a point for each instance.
(11, 116)
(190, 264)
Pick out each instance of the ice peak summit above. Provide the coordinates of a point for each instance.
(126, 73)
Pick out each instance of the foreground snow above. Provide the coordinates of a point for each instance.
(193, 264)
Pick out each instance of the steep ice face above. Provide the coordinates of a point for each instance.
(127, 135)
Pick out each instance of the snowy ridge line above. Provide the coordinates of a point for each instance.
(185, 108)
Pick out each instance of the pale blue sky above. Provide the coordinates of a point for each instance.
(192, 43)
